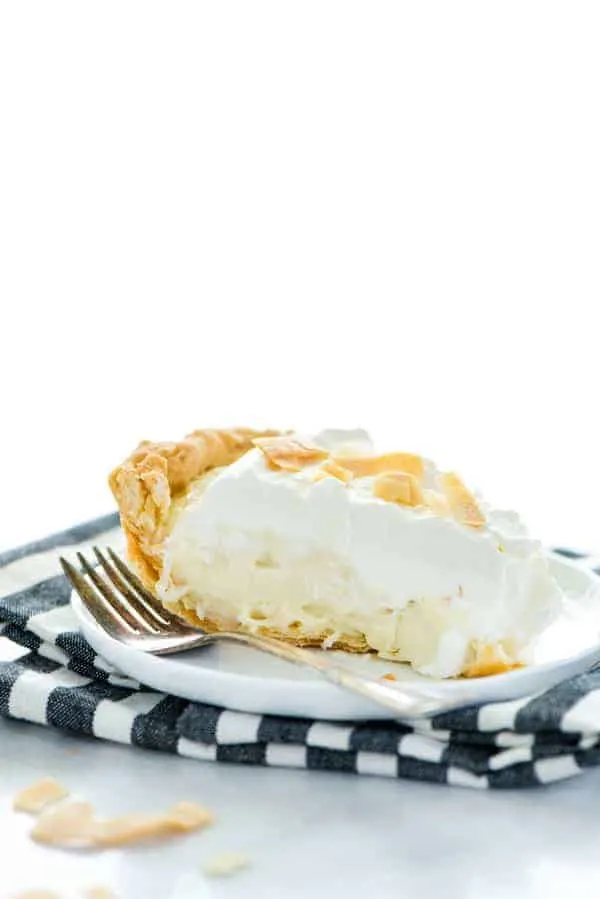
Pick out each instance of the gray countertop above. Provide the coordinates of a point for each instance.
(309, 834)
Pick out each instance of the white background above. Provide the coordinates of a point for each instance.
(301, 214)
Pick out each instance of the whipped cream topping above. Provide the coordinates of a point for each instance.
(289, 551)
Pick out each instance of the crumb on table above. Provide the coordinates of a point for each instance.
(38, 795)
(74, 825)
(98, 892)
(36, 894)
(225, 863)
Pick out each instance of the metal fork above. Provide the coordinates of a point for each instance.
(122, 606)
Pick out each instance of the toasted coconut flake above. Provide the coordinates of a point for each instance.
(37, 796)
(461, 501)
(226, 863)
(190, 816)
(388, 676)
(185, 816)
(99, 893)
(72, 824)
(369, 466)
(399, 487)
(67, 824)
(436, 503)
(288, 453)
(132, 828)
(331, 468)
(36, 894)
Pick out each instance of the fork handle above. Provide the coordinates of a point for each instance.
(406, 703)
(419, 702)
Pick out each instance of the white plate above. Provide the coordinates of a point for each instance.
(250, 681)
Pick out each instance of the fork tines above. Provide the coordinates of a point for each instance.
(112, 592)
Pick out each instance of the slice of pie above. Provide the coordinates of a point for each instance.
(324, 542)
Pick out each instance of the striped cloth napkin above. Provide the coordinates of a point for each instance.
(50, 675)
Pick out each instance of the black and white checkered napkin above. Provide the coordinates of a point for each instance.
(58, 680)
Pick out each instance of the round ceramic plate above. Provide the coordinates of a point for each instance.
(247, 680)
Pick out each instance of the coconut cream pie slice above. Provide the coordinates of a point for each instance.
(324, 542)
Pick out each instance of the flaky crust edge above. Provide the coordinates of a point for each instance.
(155, 474)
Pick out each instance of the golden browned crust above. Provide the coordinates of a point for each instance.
(489, 659)
(146, 484)
(347, 642)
